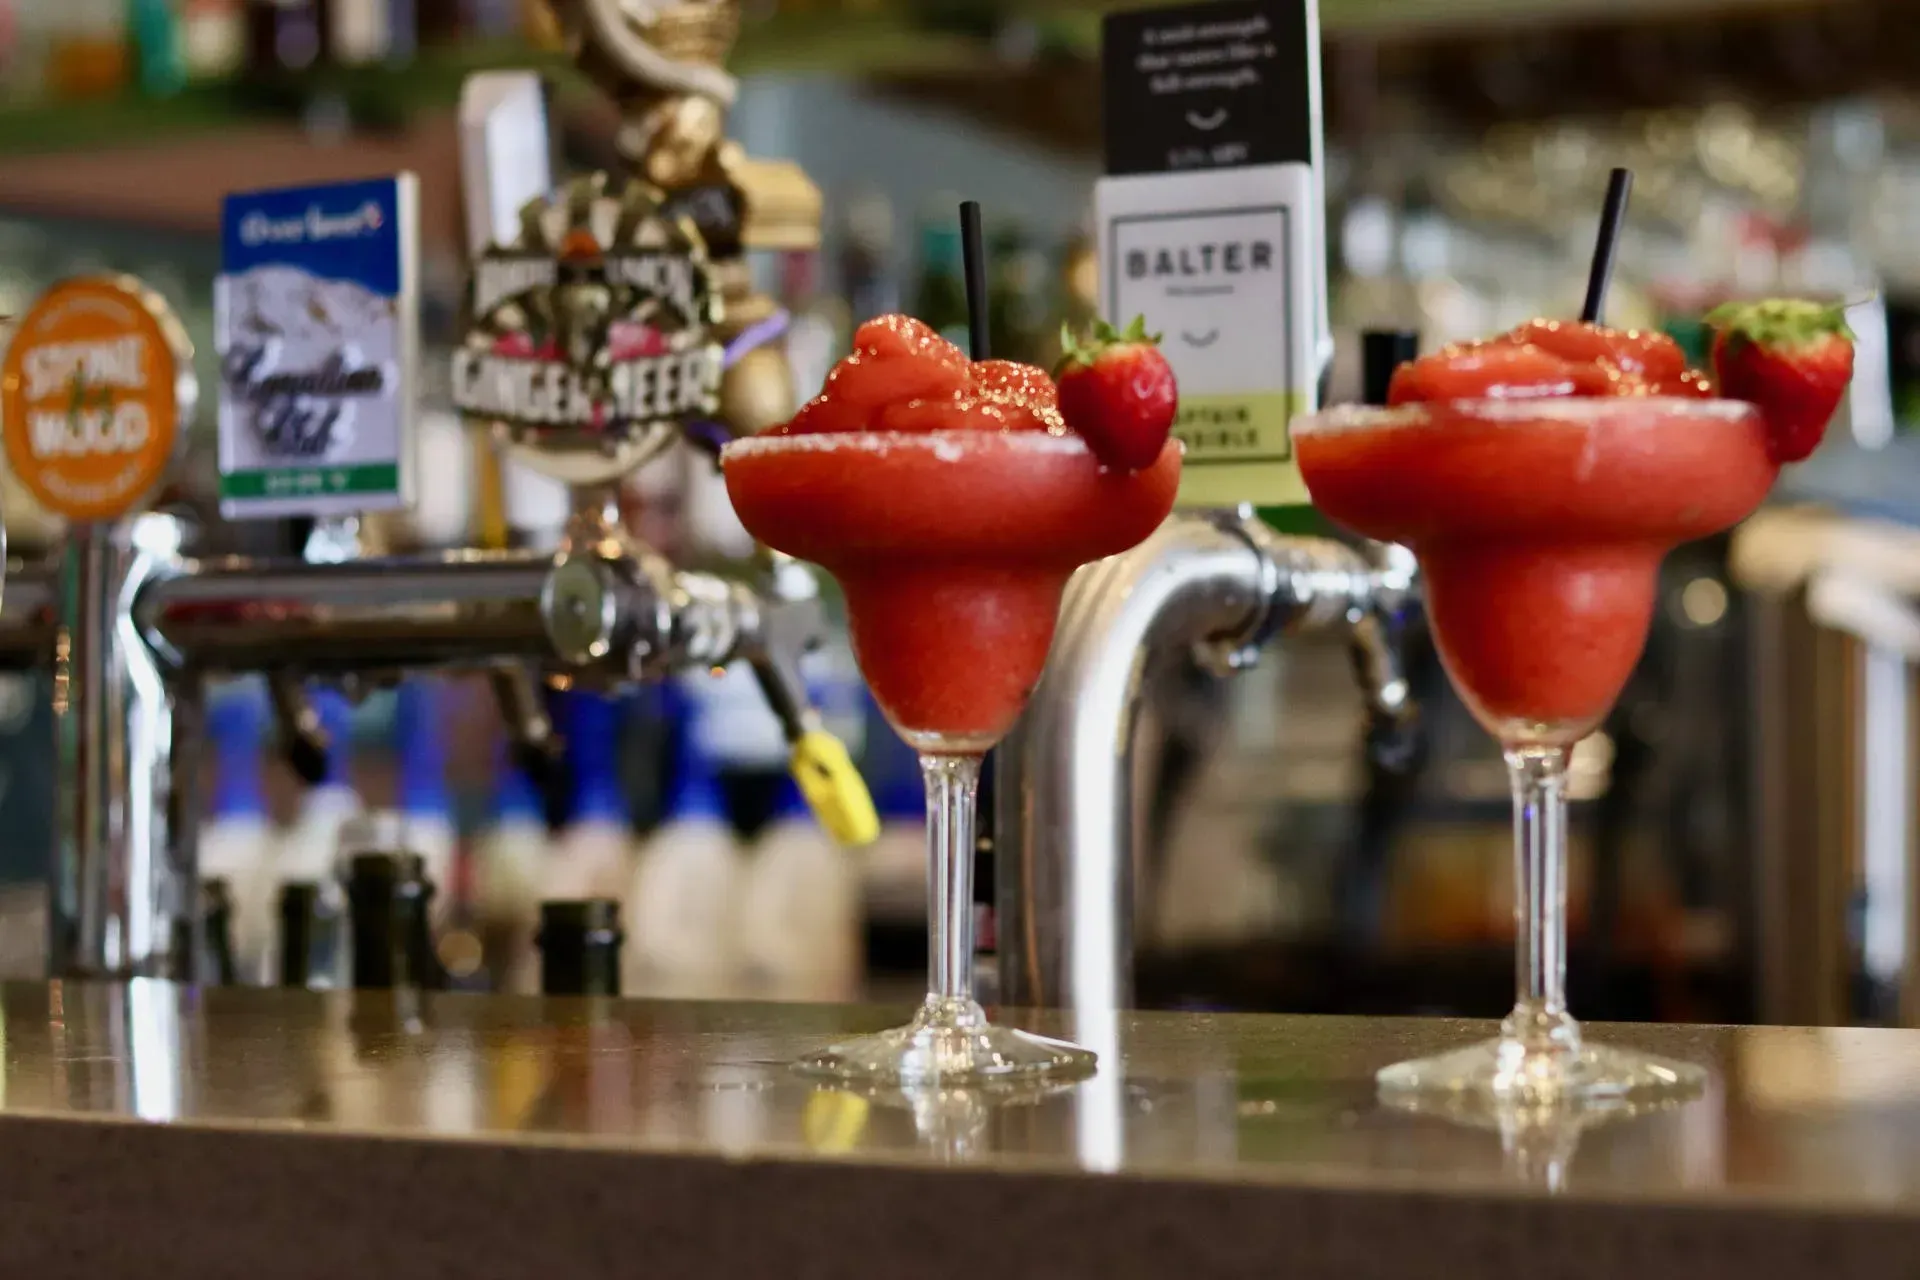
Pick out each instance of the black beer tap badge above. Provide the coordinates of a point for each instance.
(595, 329)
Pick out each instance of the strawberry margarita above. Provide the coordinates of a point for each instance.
(1540, 478)
(951, 501)
(1540, 526)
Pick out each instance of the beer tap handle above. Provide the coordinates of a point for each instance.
(537, 750)
(790, 623)
(1386, 628)
(303, 739)
(635, 617)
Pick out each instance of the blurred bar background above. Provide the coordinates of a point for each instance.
(1745, 835)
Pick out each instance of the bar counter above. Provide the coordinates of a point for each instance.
(161, 1131)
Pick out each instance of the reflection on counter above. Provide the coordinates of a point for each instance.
(1817, 1115)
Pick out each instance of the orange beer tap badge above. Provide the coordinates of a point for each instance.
(92, 392)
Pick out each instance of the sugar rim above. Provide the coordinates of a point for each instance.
(938, 442)
(1362, 417)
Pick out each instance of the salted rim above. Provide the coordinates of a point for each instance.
(938, 442)
(1363, 417)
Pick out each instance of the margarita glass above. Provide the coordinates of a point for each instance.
(1539, 525)
(952, 548)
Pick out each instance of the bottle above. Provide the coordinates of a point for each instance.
(426, 809)
(580, 948)
(301, 920)
(513, 855)
(686, 891)
(800, 923)
(285, 37)
(213, 38)
(214, 966)
(157, 47)
(387, 897)
(1014, 317)
(87, 49)
(238, 842)
(594, 853)
(942, 297)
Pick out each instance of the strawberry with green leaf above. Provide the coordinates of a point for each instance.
(1117, 392)
(1790, 358)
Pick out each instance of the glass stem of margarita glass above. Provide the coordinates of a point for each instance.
(953, 783)
(1540, 1021)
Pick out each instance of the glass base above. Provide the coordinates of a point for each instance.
(1507, 1073)
(950, 1042)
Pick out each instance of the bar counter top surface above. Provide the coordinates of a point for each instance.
(158, 1130)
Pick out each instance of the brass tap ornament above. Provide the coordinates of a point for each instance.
(590, 340)
(664, 63)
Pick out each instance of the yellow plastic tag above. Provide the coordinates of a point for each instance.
(834, 789)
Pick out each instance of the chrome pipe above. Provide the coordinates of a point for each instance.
(121, 901)
(1068, 844)
(1064, 823)
(239, 614)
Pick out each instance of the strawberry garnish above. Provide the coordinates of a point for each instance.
(1118, 393)
(1791, 359)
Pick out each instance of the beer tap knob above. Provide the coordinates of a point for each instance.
(614, 612)
(1384, 625)
(629, 615)
(303, 739)
(790, 623)
(538, 751)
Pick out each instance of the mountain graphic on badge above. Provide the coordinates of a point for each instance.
(590, 339)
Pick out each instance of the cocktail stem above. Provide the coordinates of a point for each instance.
(953, 783)
(1539, 1018)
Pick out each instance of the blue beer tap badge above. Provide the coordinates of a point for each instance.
(317, 329)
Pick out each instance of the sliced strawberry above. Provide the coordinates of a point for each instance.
(1792, 359)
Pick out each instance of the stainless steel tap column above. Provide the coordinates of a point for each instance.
(1069, 836)
(124, 874)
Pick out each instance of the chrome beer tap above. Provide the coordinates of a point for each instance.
(596, 338)
(1070, 835)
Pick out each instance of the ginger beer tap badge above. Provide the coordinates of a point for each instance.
(1210, 226)
(317, 324)
(95, 389)
(590, 339)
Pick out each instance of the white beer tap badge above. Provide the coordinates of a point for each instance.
(594, 331)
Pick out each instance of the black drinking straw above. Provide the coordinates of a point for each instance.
(1619, 187)
(974, 257)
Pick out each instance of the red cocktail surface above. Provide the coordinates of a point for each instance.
(1540, 525)
(952, 504)
(952, 549)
